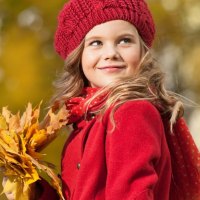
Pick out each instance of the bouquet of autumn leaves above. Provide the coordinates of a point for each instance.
(21, 140)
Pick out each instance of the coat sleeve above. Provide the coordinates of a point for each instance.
(132, 151)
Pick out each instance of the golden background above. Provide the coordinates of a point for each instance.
(29, 64)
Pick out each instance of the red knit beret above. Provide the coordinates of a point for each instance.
(78, 17)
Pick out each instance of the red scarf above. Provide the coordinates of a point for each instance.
(77, 105)
(185, 156)
(185, 159)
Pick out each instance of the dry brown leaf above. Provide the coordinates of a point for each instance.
(21, 139)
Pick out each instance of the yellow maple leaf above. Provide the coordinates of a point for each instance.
(21, 139)
(3, 124)
(6, 114)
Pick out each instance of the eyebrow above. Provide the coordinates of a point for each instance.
(118, 36)
(92, 38)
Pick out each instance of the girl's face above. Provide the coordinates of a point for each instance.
(111, 50)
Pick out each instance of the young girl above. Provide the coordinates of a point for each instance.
(128, 140)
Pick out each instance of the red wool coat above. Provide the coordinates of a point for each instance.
(131, 162)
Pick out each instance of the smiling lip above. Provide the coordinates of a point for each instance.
(111, 68)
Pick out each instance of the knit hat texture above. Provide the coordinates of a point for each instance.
(78, 17)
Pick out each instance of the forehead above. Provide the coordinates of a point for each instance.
(112, 27)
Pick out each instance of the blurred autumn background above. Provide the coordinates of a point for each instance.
(28, 63)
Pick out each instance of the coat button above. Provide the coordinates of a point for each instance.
(78, 165)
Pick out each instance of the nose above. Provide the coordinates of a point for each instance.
(110, 52)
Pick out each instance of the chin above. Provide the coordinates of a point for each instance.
(102, 84)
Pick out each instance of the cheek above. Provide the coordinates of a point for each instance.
(87, 66)
(133, 58)
(86, 71)
(84, 60)
(88, 60)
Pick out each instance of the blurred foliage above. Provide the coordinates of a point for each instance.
(28, 63)
(27, 59)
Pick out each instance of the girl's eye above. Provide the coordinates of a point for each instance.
(125, 41)
(95, 43)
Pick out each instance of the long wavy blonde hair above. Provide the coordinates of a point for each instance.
(146, 84)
